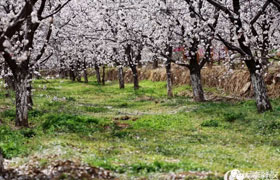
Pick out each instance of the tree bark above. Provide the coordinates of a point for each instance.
(1, 162)
(135, 77)
(85, 76)
(103, 75)
(169, 79)
(85, 72)
(195, 68)
(97, 71)
(198, 94)
(78, 76)
(72, 75)
(22, 96)
(262, 100)
(121, 78)
(29, 91)
(155, 63)
(62, 73)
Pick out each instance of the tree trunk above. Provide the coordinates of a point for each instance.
(97, 74)
(72, 74)
(135, 77)
(78, 76)
(155, 64)
(198, 94)
(29, 89)
(121, 78)
(103, 75)
(262, 100)
(1, 162)
(169, 79)
(85, 72)
(62, 73)
(62, 70)
(85, 76)
(22, 94)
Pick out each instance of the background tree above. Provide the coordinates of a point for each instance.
(19, 27)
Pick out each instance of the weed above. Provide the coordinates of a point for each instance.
(69, 123)
(210, 123)
(11, 142)
(232, 116)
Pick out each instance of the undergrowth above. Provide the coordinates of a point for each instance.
(142, 132)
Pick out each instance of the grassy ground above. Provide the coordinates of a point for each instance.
(141, 133)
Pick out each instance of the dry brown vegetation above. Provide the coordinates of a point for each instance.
(236, 83)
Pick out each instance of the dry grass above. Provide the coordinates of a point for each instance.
(236, 83)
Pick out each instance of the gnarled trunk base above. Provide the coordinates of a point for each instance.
(135, 77)
(262, 100)
(22, 100)
(198, 94)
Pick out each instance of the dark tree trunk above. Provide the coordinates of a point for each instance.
(198, 94)
(103, 75)
(78, 71)
(139, 58)
(97, 71)
(155, 63)
(262, 100)
(22, 96)
(85, 72)
(121, 78)
(78, 76)
(135, 77)
(72, 75)
(63, 73)
(85, 76)
(169, 79)
(1, 162)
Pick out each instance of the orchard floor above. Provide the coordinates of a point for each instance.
(139, 134)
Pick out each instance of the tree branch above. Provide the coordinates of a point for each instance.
(56, 10)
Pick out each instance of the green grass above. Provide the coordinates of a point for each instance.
(160, 135)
